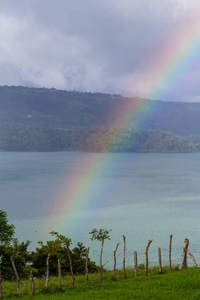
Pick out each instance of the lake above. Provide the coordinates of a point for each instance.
(142, 196)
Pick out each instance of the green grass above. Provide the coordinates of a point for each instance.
(173, 285)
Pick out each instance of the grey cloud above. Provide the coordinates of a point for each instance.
(86, 45)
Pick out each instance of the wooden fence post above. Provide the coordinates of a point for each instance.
(71, 266)
(186, 244)
(16, 275)
(59, 273)
(115, 260)
(170, 252)
(160, 261)
(184, 256)
(1, 292)
(192, 257)
(47, 265)
(86, 264)
(135, 263)
(147, 262)
(124, 267)
(101, 265)
(181, 264)
(33, 283)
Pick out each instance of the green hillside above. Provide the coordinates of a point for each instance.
(62, 109)
(33, 119)
(176, 285)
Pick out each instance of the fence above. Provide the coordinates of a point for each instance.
(124, 257)
(176, 254)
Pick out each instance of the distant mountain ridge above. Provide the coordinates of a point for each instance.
(62, 109)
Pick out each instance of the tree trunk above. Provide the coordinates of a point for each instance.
(71, 267)
(124, 267)
(16, 274)
(115, 260)
(33, 283)
(147, 262)
(170, 253)
(86, 264)
(59, 274)
(101, 266)
(47, 264)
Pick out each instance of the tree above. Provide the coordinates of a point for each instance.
(100, 235)
(21, 256)
(59, 251)
(66, 242)
(6, 230)
(38, 257)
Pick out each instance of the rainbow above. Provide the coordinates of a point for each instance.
(163, 72)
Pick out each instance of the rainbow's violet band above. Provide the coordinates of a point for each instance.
(163, 71)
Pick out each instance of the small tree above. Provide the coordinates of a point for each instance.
(6, 230)
(66, 243)
(100, 235)
(39, 256)
(59, 251)
(21, 256)
(53, 249)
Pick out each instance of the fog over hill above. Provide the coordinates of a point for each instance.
(63, 109)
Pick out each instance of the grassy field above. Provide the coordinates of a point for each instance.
(183, 284)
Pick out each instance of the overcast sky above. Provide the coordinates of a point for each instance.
(94, 45)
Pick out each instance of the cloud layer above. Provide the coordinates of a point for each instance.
(92, 45)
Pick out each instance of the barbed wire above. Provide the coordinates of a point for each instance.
(176, 254)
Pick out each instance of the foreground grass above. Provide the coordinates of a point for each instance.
(183, 284)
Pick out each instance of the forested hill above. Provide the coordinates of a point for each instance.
(62, 109)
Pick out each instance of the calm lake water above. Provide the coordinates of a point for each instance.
(141, 196)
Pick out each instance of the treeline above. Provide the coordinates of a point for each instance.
(60, 248)
(17, 137)
(26, 260)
